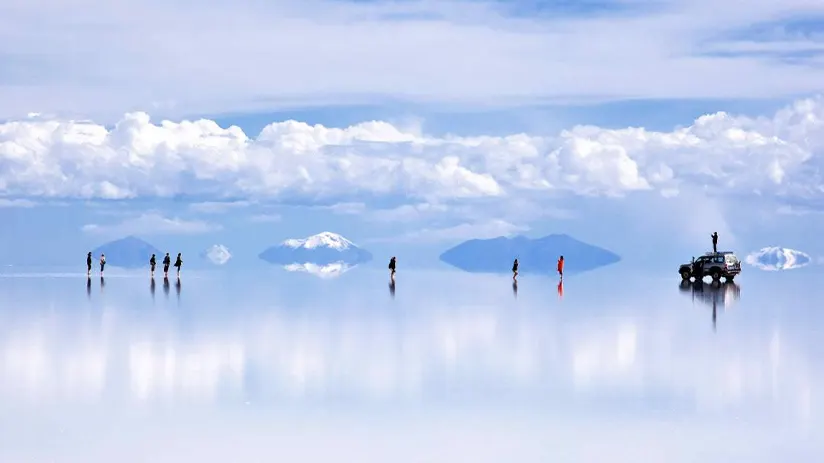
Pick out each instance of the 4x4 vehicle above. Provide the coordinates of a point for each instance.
(714, 264)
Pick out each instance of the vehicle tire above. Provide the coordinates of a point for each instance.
(716, 274)
(685, 274)
(730, 278)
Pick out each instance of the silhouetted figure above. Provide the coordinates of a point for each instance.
(714, 242)
(102, 263)
(515, 270)
(392, 288)
(89, 264)
(561, 289)
(392, 263)
(167, 261)
(152, 287)
(152, 264)
(166, 287)
(89, 286)
(515, 288)
(178, 264)
(697, 270)
(561, 266)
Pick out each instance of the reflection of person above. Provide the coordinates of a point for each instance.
(561, 289)
(515, 269)
(89, 286)
(515, 288)
(714, 242)
(152, 287)
(392, 288)
(561, 266)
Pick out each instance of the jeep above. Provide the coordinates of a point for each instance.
(714, 264)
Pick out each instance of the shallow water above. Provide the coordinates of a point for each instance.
(451, 367)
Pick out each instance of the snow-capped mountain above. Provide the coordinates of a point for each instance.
(322, 249)
(332, 270)
(773, 258)
(218, 254)
(324, 239)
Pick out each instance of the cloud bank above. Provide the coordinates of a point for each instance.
(151, 223)
(717, 154)
(774, 258)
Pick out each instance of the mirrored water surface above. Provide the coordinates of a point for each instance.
(442, 366)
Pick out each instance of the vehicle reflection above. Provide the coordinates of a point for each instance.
(714, 294)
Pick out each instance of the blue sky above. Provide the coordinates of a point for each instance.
(640, 126)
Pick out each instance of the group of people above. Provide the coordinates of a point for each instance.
(167, 261)
(560, 268)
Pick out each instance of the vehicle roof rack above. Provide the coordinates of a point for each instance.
(710, 253)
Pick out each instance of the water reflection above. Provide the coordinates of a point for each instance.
(629, 359)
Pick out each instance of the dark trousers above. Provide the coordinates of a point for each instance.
(714, 246)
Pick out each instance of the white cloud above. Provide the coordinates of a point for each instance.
(333, 270)
(218, 207)
(265, 218)
(718, 154)
(8, 203)
(479, 230)
(152, 223)
(150, 61)
(775, 258)
(218, 254)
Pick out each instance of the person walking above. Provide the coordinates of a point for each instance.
(102, 263)
(167, 261)
(152, 264)
(515, 270)
(561, 266)
(89, 264)
(714, 242)
(178, 264)
(392, 263)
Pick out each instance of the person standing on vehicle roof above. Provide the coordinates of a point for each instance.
(714, 242)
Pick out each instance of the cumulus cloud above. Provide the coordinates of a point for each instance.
(717, 154)
(152, 223)
(775, 258)
(218, 254)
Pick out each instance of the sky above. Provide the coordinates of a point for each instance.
(410, 126)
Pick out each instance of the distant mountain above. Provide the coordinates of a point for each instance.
(322, 249)
(539, 256)
(218, 254)
(775, 258)
(128, 252)
(332, 270)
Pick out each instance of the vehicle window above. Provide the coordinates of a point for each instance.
(719, 260)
